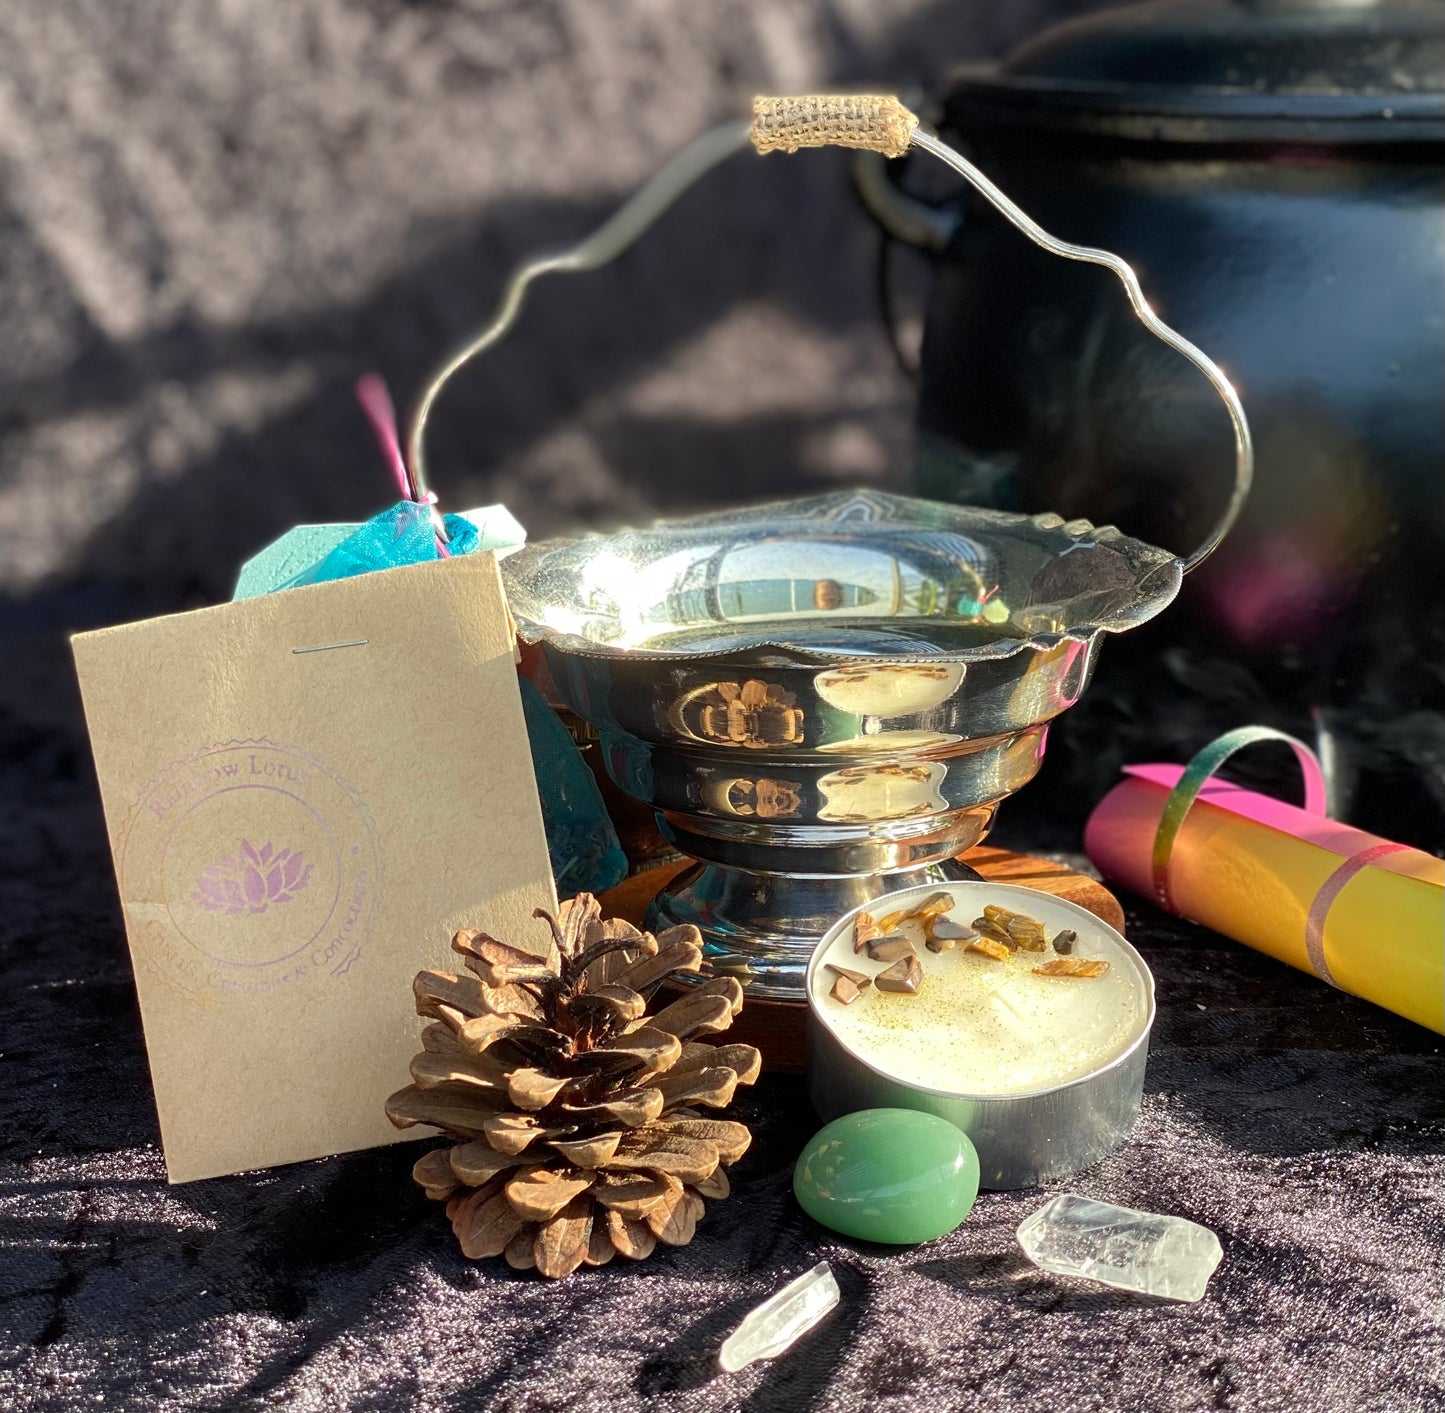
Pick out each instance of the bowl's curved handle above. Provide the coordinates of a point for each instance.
(605, 244)
(1243, 443)
(871, 122)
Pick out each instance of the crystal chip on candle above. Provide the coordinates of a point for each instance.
(935, 905)
(904, 977)
(1073, 966)
(945, 929)
(889, 948)
(1141, 1252)
(865, 929)
(988, 928)
(782, 1319)
(1027, 933)
(988, 947)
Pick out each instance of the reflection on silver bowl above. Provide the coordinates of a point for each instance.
(824, 700)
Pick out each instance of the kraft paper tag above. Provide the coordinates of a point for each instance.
(307, 794)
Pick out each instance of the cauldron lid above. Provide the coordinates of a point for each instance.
(1304, 70)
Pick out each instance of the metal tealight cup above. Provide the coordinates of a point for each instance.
(1022, 1139)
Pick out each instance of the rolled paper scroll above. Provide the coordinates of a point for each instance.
(1360, 912)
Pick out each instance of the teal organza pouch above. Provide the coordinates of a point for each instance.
(585, 853)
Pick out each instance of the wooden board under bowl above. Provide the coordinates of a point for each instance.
(779, 1028)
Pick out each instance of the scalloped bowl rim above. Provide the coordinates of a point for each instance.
(1157, 578)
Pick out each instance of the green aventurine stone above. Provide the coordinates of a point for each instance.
(892, 1175)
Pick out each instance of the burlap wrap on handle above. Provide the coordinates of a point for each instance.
(874, 121)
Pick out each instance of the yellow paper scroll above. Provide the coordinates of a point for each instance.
(1268, 874)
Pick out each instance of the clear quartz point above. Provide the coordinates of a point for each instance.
(1141, 1252)
(782, 1319)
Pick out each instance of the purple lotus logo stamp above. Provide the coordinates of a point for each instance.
(252, 880)
(248, 866)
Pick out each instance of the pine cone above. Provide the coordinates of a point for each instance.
(573, 1105)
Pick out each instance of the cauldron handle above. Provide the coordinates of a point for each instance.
(876, 123)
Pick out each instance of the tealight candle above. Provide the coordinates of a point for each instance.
(983, 1026)
(1043, 1070)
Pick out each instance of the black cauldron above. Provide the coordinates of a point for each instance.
(1276, 174)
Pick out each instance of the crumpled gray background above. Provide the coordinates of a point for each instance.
(213, 217)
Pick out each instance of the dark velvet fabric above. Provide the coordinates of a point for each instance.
(1305, 1127)
(213, 217)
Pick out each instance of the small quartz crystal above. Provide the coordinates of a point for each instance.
(782, 1319)
(1141, 1252)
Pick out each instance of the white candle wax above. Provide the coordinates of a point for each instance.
(985, 1027)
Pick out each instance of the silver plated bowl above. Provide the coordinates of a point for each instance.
(825, 700)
